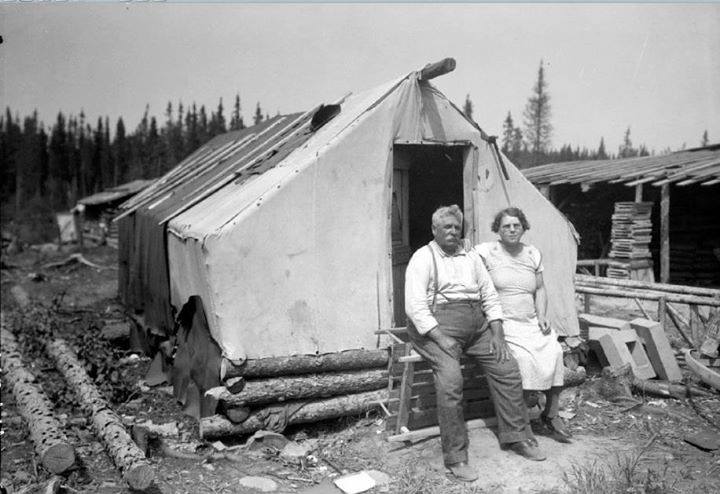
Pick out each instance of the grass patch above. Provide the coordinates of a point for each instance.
(623, 474)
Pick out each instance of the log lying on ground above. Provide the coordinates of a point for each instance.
(133, 465)
(51, 445)
(667, 389)
(218, 426)
(264, 391)
(305, 364)
(75, 258)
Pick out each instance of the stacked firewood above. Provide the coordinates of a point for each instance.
(630, 237)
(272, 393)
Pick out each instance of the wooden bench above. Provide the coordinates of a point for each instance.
(411, 405)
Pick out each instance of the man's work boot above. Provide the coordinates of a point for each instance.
(557, 429)
(529, 451)
(463, 472)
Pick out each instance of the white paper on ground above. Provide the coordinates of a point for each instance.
(355, 483)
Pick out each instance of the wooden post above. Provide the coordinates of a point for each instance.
(638, 192)
(433, 70)
(597, 267)
(694, 323)
(665, 234)
(662, 312)
(586, 303)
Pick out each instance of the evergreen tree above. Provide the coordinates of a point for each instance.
(96, 176)
(217, 122)
(74, 165)
(192, 139)
(518, 144)
(601, 153)
(154, 167)
(538, 128)
(203, 131)
(42, 167)
(107, 158)
(626, 149)
(236, 122)
(705, 140)
(27, 171)
(85, 148)
(258, 115)
(468, 107)
(9, 149)
(507, 134)
(58, 164)
(121, 156)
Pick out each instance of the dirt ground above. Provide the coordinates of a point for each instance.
(616, 448)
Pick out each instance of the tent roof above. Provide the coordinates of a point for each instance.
(693, 166)
(218, 162)
(115, 193)
(232, 159)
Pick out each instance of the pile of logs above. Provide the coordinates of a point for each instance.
(630, 237)
(51, 444)
(272, 393)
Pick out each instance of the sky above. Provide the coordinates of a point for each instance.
(652, 67)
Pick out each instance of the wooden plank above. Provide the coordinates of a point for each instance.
(665, 234)
(426, 432)
(427, 398)
(420, 418)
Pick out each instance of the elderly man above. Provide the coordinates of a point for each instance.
(448, 297)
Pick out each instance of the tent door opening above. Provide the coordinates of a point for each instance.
(425, 177)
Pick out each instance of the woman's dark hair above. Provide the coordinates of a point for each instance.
(511, 211)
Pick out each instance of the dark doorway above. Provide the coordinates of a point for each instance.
(425, 177)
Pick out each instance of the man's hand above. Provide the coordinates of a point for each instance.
(446, 343)
(544, 325)
(498, 345)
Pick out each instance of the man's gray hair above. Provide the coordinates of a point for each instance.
(444, 211)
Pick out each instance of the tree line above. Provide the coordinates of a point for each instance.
(74, 158)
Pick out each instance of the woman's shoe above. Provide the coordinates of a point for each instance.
(557, 429)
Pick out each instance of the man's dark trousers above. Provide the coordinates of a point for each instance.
(464, 322)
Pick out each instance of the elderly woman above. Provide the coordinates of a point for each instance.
(517, 272)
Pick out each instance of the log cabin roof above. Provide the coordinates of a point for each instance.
(692, 166)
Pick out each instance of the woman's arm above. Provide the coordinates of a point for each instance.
(541, 303)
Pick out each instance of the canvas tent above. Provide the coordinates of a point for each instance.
(292, 236)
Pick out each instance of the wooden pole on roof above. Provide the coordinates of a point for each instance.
(665, 233)
(433, 70)
(638, 192)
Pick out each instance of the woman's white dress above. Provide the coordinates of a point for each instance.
(539, 356)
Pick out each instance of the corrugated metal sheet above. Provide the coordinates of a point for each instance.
(116, 193)
(693, 166)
